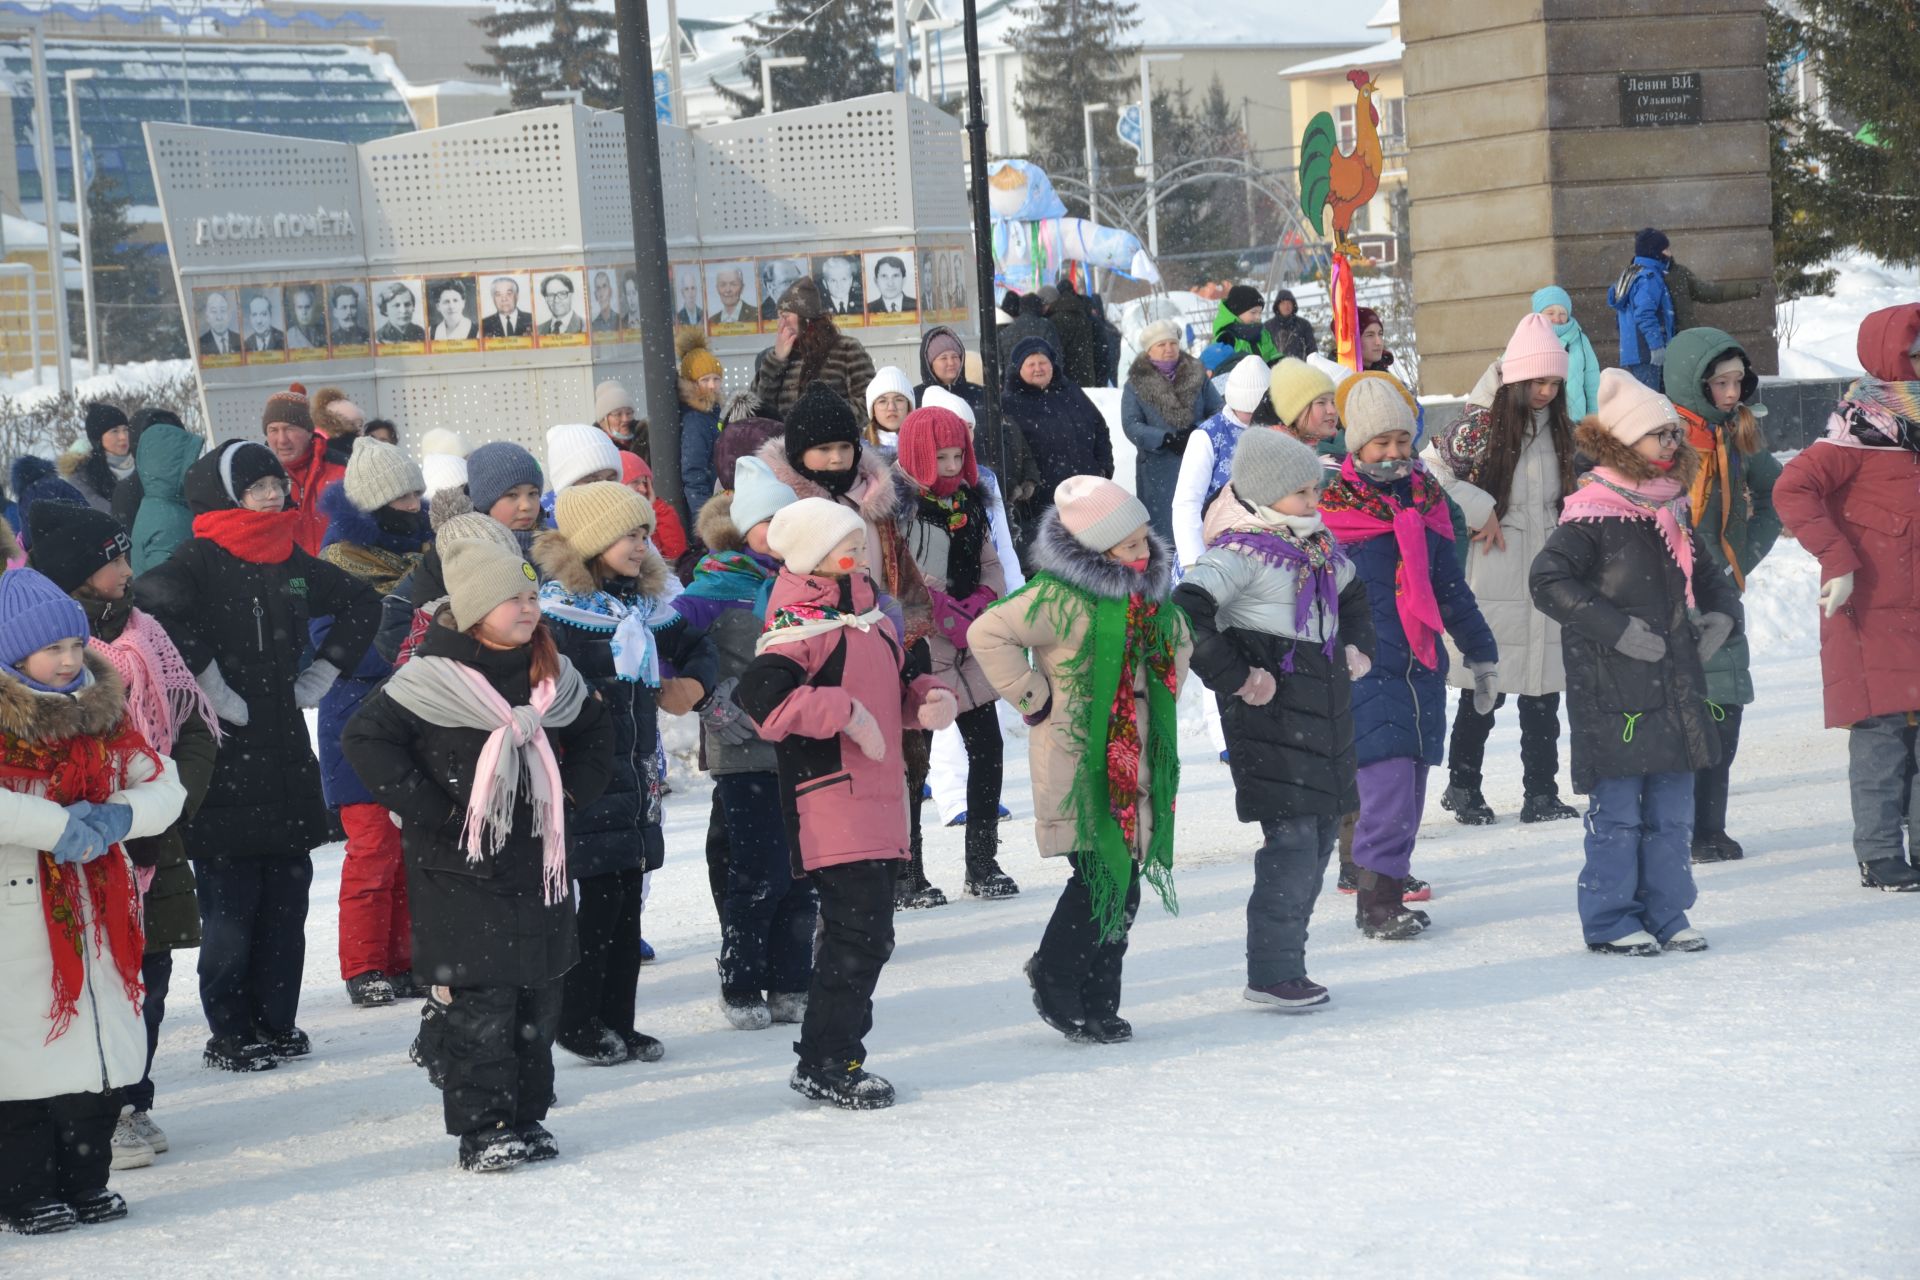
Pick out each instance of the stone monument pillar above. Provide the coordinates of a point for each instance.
(1544, 133)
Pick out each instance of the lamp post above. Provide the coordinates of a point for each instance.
(902, 49)
(766, 79)
(983, 253)
(74, 77)
(925, 29)
(1146, 144)
(1087, 113)
(675, 98)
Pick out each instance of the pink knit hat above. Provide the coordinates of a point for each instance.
(1098, 513)
(1629, 409)
(1534, 351)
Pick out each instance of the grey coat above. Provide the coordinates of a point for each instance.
(1157, 415)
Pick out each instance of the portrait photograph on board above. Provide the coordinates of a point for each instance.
(687, 305)
(629, 303)
(775, 275)
(954, 265)
(304, 306)
(397, 328)
(603, 285)
(891, 298)
(733, 298)
(560, 308)
(347, 318)
(838, 275)
(453, 312)
(217, 315)
(506, 321)
(263, 331)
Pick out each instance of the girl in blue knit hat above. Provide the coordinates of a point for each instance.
(1583, 367)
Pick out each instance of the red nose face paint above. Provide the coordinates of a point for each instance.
(846, 563)
(1138, 566)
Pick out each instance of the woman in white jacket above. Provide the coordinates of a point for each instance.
(1508, 463)
(75, 781)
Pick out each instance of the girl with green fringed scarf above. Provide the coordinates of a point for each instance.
(1092, 652)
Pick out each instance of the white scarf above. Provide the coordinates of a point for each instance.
(629, 627)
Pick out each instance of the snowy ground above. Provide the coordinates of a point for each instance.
(1818, 335)
(1490, 1100)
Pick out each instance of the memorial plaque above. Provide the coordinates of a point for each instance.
(1650, 101)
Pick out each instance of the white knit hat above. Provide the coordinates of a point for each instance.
(757, 495)
(1247, 384)
(941, 398)
(889, 378)
(378, 472)
(443, 459)
(1151, 335)
(804, 533)
(609, 396)
(578, 449)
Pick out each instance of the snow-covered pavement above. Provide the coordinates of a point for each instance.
(1490, 1100)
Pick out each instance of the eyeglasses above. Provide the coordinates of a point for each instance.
(1667, 435)
(267, 488)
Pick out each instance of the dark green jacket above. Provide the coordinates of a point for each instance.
(1752, 525)
(1690, 293)
(164, 521)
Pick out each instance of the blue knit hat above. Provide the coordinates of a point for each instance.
(492, 469)
(35, 613)
(1552, 296)
(1650, 243)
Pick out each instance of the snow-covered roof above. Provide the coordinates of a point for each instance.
(1386, 53)
(23, 233)
(1388, 16)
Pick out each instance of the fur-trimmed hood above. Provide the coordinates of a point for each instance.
(714, 524)
(348, 523)
(33, 716)
(1600, 447)
(556, 559)
(1173, 401)
(1061, 554)
(885, 497)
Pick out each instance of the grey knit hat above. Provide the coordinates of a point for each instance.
(479, 576)
(1269, 464)
(378, 472)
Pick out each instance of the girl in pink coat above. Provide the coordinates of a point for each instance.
(831, 689)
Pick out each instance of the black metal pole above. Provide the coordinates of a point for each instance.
(650, 249)
(983, 257)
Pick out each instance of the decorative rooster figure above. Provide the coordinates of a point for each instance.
(1346, 182)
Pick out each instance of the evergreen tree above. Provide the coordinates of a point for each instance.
(1197, 223)
(555, 44)
(841, 46)
(1866, 144)
(1075, 52)
(134, 303)
(1802, 240)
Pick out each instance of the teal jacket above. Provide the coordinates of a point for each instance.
(164, 521)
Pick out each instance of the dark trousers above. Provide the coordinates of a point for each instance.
(498, 1046)
(253, 941)
(986, 770)
(1712, 785)
(56, 1148)
(856, 908)
(767, 916)
(601, 987)
(1287, 874)
(1073, 956)
(1883, 756)
(156, 973)
(718, 850)
(1539, 742)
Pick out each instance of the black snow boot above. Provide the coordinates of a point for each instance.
(494, 1150)
(1892, 874)
(98, 1205)
(370, 989)
(846, 1085)
(598, 1045)
(428, 1049)
(541, 1145)
(911, 891)
(239, 1053)
(1468, 806)
(985, 879)
(1378, 911)
(1058, 1005)
(1546, 808)
(38, 1218)
(292, 1043)
(642, 1047)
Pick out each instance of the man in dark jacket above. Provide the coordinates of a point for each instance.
(1079, 343)
(236, 598)
(1690, 292)
(1029, 321)
(1292, 332)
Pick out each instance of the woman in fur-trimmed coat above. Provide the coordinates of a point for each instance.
(1167, 395)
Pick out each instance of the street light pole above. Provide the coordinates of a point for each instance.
(766, 79)
(902, 50)
(1087, 113)
(1146, 145)
(983, 256)
(676, 99)
(81, 220)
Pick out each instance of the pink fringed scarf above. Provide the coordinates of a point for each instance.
(161, 691)
(1604, 494)
(1358, 512)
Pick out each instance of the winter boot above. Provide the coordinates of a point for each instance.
(1892, 874)
(845, 1084)
(642, 1047)
(494, 1150)
(1294, 993)
(1637, 943)
(787, 1006)
(1378, 912)
(1059, 1006)
(1414, 889)
(406, 986)
(39, 1218)
(98, 1205)
(370, 989)
(911, 891)
(647, 955)
(745, 1010)
(1546, 808)
(985, 879)
(1349, 881)
(1468, 806)
(541, 1145)
(597, 1045)
(1109, 1028)
(239, 1053)
(130, 1150)
(144, 1127)
(428, 1049)
(286, 1045)
(1716, 846)
(1686, 940)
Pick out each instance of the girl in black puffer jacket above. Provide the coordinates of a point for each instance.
(608, 600)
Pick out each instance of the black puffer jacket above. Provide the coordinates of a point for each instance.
(252, 618)
(483, 923)
(1062, 426)
(1594, 576)
(621, 830)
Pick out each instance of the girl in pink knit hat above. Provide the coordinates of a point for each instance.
(1092, 652)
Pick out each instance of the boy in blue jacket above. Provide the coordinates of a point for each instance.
(1645, 307)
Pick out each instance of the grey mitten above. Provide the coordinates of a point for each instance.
(312, 684)
(721, 716)
(1714, 630)
(227, 704)
(1640, 643)
(1659, 358)
(1486, 675)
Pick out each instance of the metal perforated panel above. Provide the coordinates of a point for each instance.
(935, 146)
(503, 186)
